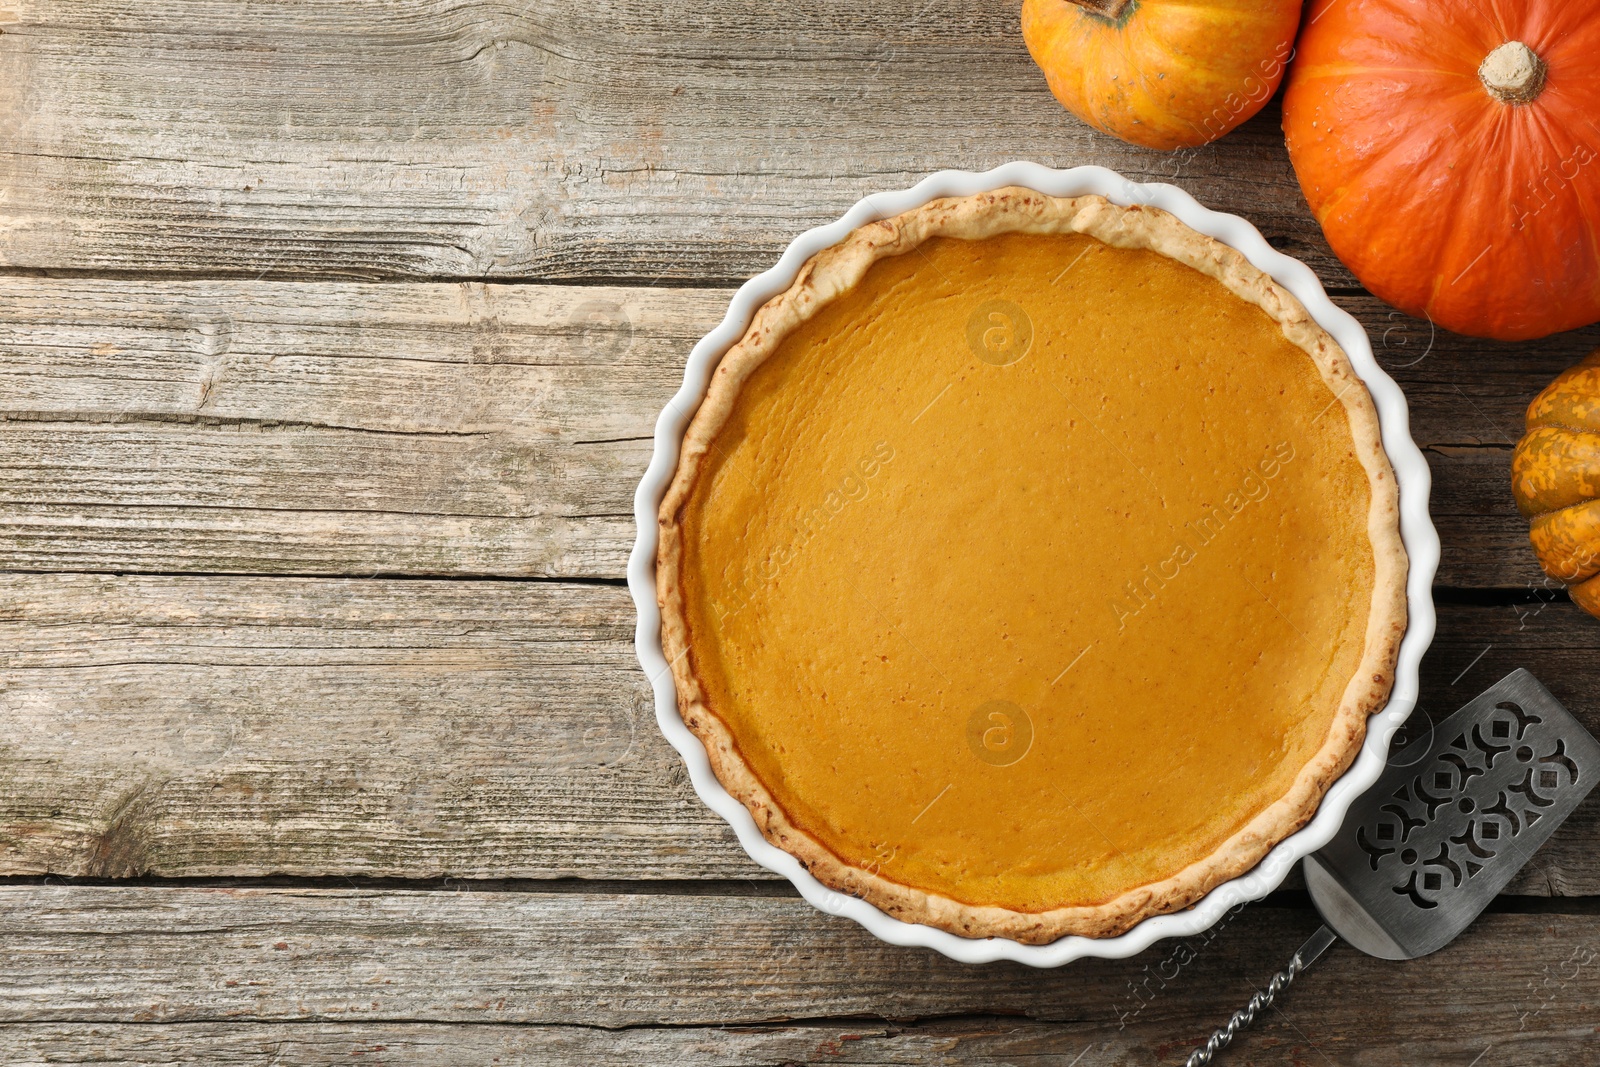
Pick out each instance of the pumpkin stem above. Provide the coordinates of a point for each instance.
(1513, 73)
(1111, 9)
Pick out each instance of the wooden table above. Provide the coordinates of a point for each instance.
(331, 340)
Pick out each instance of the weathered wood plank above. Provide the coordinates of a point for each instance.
(551, 140)
(403, 728)
(480, 429)
(553, 362)
(251, 726)
(1484, 539)
(1529, 983)
(441, 429)
(971, 1043)
(1464, 391)
(992, 1042)
(464, 357)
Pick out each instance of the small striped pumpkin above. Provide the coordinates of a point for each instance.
(1555, 476)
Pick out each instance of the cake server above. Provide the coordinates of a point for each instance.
(1453, 818)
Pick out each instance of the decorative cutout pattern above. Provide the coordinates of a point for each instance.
(1484, 788)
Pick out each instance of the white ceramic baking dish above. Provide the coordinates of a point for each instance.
(1411, 472)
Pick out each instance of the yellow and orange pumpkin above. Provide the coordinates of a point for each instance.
(1451, 151)
(1162, 73)
(1555, 477)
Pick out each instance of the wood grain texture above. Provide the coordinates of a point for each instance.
(217, 716)
(1000, 1042)
(566, 139)
(343, 429)
(965, 1042)
(205, 726)
(353, 429)
(209, 726)
(1529, 984)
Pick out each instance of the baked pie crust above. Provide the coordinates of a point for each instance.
(796, 649)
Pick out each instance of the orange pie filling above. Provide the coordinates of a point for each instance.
(1029, 570)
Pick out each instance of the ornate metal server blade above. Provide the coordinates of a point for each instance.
(1423, 851)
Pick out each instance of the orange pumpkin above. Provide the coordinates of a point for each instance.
(1162, 73)
(1555, 476)
(1450, 150)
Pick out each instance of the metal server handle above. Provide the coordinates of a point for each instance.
(1314, 947)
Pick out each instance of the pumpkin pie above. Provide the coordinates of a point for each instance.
(1031, 565)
